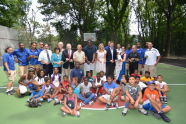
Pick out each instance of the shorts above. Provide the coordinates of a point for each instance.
(88, 67)
(22, 70)
(147, 106)
(11, 77)
(23, 89)
(107, 97)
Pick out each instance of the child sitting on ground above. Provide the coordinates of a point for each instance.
(40, 77)
(56, 78)
(47, 89)
(36, 94)
(86, 96)
(60, 92)
(112, 91)
(151, 102)
(90, 78)
(133, 97)
(98, 85)
(70, 104)
(162, 88)
(135, 73)
(147, 77)
(103, 76)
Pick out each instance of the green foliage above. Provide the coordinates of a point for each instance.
(11, 11)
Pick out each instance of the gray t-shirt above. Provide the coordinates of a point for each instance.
(133, 91)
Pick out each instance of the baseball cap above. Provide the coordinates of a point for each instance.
(150, 82)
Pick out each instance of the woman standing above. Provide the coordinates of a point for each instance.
(123, 60)
(101, 58)
(56, 59)
(9, 69)
(119, 60)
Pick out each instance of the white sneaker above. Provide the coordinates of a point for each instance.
(81, 104)
(124, 112)
(64, 114)
(143, 111)
(91, 102)
(78, 114)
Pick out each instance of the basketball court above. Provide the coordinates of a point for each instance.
(14, 110)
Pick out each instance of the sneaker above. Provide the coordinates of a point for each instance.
(115, 105)
(49, 100)
(165, 100)
(91, 103)
(8, 93)
(124, 112)
(143, 111)
(64, 114)
(164, 117)
(81, 104)
(39, 104)
(78, 114)
(56, 102)
(107, 106)
(155, 114)
(161, 99)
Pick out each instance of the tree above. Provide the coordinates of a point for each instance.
(11, 12)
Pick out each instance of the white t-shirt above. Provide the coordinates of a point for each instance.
(85, 88)
(98, 83)
(142, 85)
(104, 78)
(40, 81)
(56, 81)
(162, 84)
(151, 56)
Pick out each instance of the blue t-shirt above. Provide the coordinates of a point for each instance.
(9, 58)
(77, 90)
(33, 61)
(38, 93)
(77, 73)
(140, 51)
(128, 52)
(110, 87)
(89, 51)
(21, 56)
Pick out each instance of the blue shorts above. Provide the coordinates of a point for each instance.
(149, 107)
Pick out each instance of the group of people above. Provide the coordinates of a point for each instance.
(128, 74)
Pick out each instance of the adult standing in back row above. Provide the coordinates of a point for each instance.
(152, 56)
(90, 53)
(111, 56)
(68, 59)
(45, 59)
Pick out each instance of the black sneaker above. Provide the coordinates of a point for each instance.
(115, 105)
(8, 93)
(162, 99)
(56, 102)
(164, 117)
(155, 114)
(165, 100)
(107, 106)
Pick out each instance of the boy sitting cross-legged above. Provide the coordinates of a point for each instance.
(151, 102)
(112, 90)
(133, 97)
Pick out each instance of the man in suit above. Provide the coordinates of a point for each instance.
(67, 57)
(111, 56)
